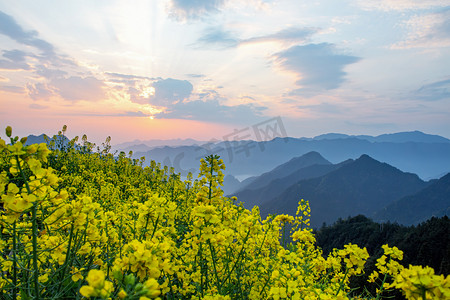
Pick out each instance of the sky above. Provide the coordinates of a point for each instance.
(167, 69)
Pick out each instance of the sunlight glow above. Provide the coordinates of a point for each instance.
(147, 92)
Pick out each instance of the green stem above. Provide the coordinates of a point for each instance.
(424, 293)
(219, 285)
(66, 261)
(201, 269)
(382, 283)
(144, 230)
(342, 282)
(154, 227)
(34, 241)
(34, 231)
(262, 243)
(239, 256)
(14, 262)
(381, 287)
(265, 284)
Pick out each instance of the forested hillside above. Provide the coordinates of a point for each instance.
(434, 200)
(362, 186)
(426, 244)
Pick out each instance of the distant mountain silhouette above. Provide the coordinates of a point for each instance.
(276, 187)
(138, 145)
(35, 139)
(135, 148)
(433, 201)
(428, 160)
(416, 152)
(230, 184)
(400, 137)
(286, 169)
(333, 136)
(273, 183)
(358, 187)
(412, 136)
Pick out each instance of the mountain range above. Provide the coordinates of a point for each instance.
(142, 146)
(400, 137)
(414, 152)
(434, 200)
(352, 187)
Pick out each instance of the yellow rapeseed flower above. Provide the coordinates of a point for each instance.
(96, 278)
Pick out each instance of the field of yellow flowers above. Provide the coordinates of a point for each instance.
(78, 222)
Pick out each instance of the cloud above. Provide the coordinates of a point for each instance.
(209, 94)
(15, 60)
(162, 92)
(12, 89)
(400, 5)
(169, 91)
(434, 91)
(13, 65)
(49, 73)
(134, 114)
(37, 106)
(136, 86)
(319, 66)
(247, 98)
(135, 95)
(10, 28)
(195, 75)
(15, 55)
(213, 111)
(48, 65)
(38, 91)
(127, 76)
(77, 88)
(427, 31)
(47, 54)
(221, 38)
(183, 10)
(174, 99)
(187, 10)
(323, 107)
(292, 34)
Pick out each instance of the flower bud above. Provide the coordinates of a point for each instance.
(117, 274)
(8, 131)
(138, 287)
(130, 279)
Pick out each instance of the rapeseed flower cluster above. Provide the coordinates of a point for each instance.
(78, 223)
(417, 282)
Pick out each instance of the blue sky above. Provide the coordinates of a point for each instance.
(200, 69)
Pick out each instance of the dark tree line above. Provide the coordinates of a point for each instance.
(427, 244)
